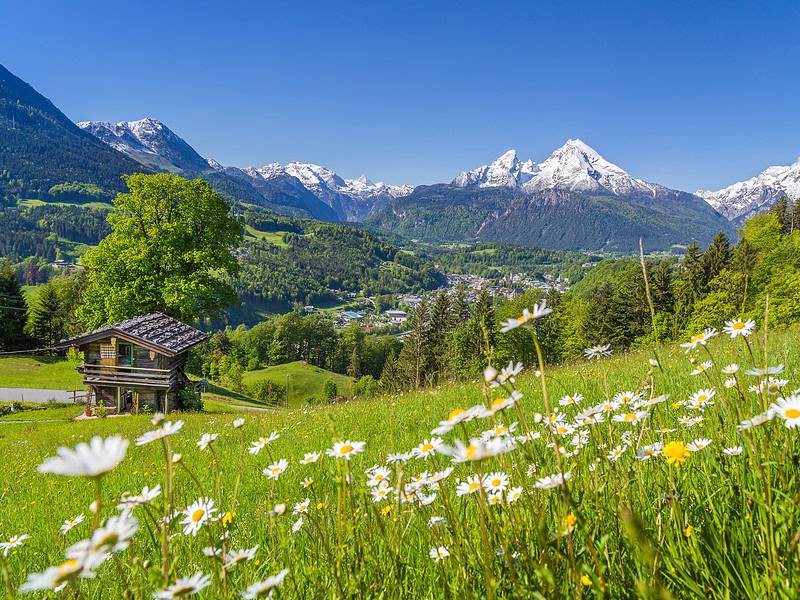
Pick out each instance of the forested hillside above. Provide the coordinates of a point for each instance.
(550, 219)
(308, 261)
(40, 147)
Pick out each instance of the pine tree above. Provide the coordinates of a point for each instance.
(438, 332)
(413, 360)
(390, 375)
(691, 285)
(12, 311)
(45, 321)
(483, 316)
(781, 209)
(459, 307)
(793, 217)
(661, 287)
(716, 258)
(745, 258)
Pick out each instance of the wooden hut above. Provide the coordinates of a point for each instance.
(136, 363)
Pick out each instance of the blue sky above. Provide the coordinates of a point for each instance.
(694, 94)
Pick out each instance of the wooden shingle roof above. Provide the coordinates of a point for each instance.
(156, 330)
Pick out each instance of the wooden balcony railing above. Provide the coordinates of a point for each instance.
(121, 375)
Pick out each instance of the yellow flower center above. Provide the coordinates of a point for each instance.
(496, 482)
(792, 413)
(427, 447)
(472, 451)
(496, 403)
(570, 520)
(198, 514)
(455, 413)
(738, 325)
(276, 470)
(702, 398)
(630, 417)
(473, 486)
(347, 448)
(500, 430)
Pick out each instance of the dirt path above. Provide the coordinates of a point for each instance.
(35, 395)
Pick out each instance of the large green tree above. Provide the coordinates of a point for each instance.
(12, 311)
(46, 317)
(170, 249)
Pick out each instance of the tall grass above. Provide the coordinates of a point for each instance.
(714, 525)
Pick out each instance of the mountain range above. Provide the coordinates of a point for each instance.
(745, 198)
(573, 199)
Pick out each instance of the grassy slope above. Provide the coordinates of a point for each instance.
(305, 381)
(45, 372)
(721, 515)
(274, 237)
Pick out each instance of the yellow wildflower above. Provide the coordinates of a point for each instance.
(675, 452)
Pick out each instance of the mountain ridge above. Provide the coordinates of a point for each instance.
(751, 196)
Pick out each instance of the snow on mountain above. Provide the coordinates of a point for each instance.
(506, 171)
(149, 141)
(745, 198)
(352, 199)
(575, 166)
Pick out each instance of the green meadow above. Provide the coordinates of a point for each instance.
(704, 523)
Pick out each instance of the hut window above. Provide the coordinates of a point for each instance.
(107, 351)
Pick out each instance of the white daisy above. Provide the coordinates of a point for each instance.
(570, 399)
(553, 481)
(538, 311)
(439, 553)
(381, 492)
(15, 541)
(275, 470)
(787, 409)
(297, 524)
(69, 524)
(616, 453)
(345, 449)
(94, 459)
(310, 457)
(128, 500)
(235, 557)
(597, 352)
(470, 486)
(703, 366)
(513, 494)
(699, 339)
(206, 439)
(185, 586)
(739, 327)
(301, 507)
(427, 448)
(496, 482)
(733, 451)
(698, 444)
(197, 515)
(263, 589)
(262, 442)
(167, 429)
(54, 578)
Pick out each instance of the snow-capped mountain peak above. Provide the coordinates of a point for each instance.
(506, 171)
(149, 141)
(575, 166)
(754, 195)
